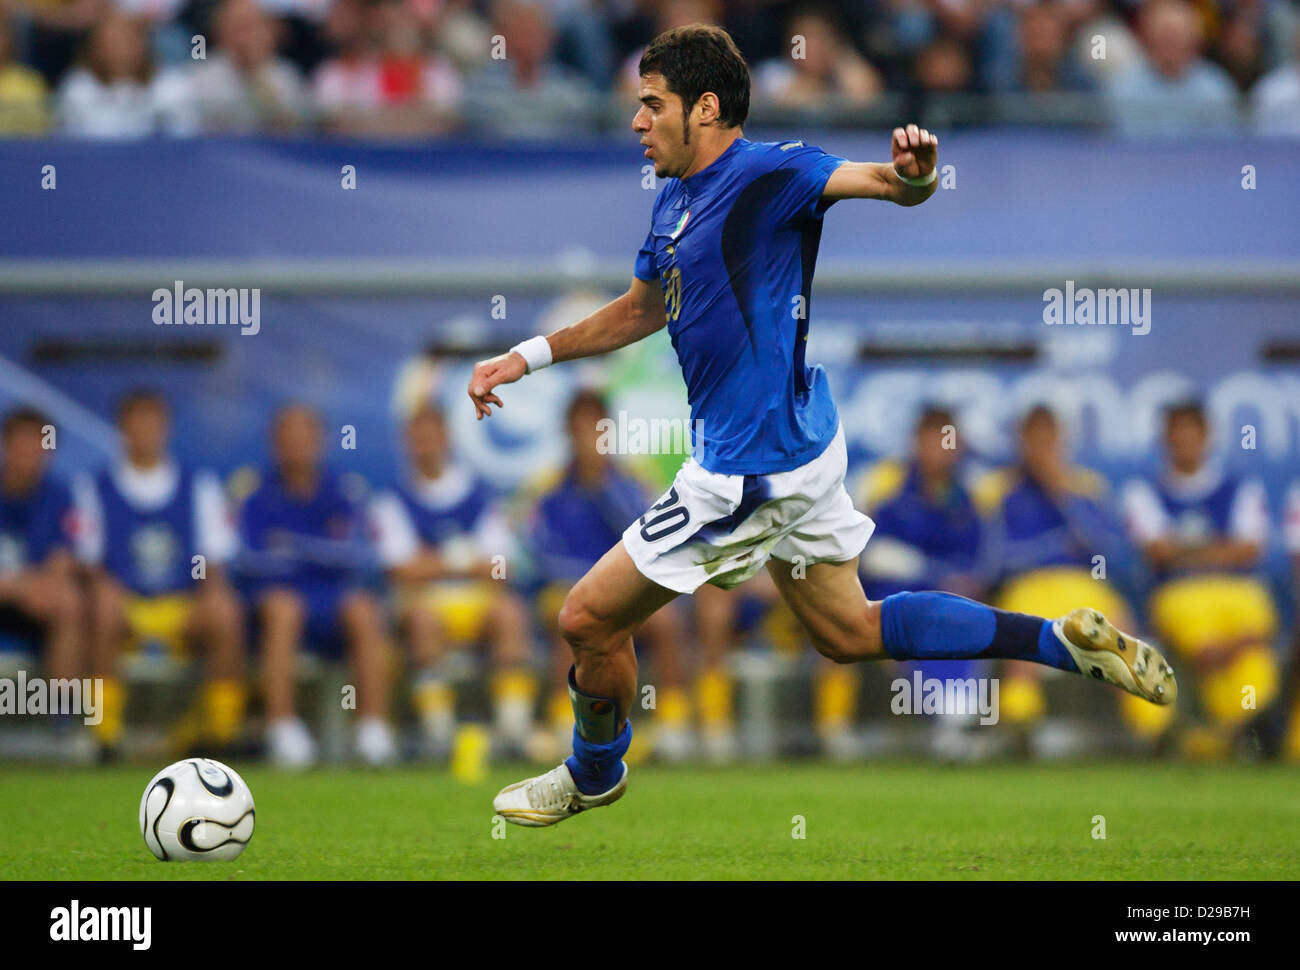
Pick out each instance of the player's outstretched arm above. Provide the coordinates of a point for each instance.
(637, 313)
(909, 180)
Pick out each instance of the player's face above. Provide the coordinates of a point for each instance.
(585, 433)
(426, 438)
(144, 432)
(24, 457)
(660, 122)
(1040, 443)
(931, 454)
(298, 440)
(1186, 439)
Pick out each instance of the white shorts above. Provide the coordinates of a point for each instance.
(722, 529)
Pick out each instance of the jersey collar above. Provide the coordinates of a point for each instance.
(700, 182)
(1197, 485)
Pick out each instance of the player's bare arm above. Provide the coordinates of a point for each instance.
(915, 154)
(636, 314)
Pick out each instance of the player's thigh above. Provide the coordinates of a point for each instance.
(829, 601)
(360, 614)
(610, 601)
(215, 611)
(281, 611)
(108, 601)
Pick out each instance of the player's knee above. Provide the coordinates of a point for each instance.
(107, 604)
(283, 608)
(67, 604)
(580, 626)
(422, 625)
(509, 613)
(364, 619)
(222, 609)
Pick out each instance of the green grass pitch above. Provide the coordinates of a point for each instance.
(873, 821)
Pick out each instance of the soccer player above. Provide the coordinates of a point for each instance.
(439, 535)
(928, 535)
(1204, 531)
(727, 266)
(156, 535)
(578, 514)
(304, 561)
(40, 599)
(1050, 520)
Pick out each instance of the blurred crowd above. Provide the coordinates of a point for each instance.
(240, 576)
(389, 68)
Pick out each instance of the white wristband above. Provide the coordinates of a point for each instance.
(536, 352)
(934, 174)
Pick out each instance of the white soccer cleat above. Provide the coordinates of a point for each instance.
(550, 798)
(1104, 652)
(290, 743)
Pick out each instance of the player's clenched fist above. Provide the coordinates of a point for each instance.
(915, 151)
(505, 369)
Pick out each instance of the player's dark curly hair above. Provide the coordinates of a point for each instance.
(699, 58)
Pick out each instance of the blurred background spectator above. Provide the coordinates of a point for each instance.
(820, 71)
(523, 89)
(1175, 89)
(384, 79)
(1275, 101)
(22, 90)
(245, 85)
(530, 68)
(115, 90)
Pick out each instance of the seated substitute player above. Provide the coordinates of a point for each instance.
(304, 565)
(439, 534)
(727, 266)
(928, 536)
(1203, 531)
(1049, 520)
(722, 618)
(574, 521)
(40, 598)
(142, 523)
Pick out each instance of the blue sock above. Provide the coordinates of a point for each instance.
(940, 626)
(597, 768)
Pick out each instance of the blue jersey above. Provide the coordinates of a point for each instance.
(1039, 531)
(946, 532)
(436, 523)
(1209, 506)
(457, 513)
(34, 525)
(575, 524)
(148, 548)
(733, 247)
(304, 541)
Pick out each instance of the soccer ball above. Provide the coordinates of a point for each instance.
(196, 809)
